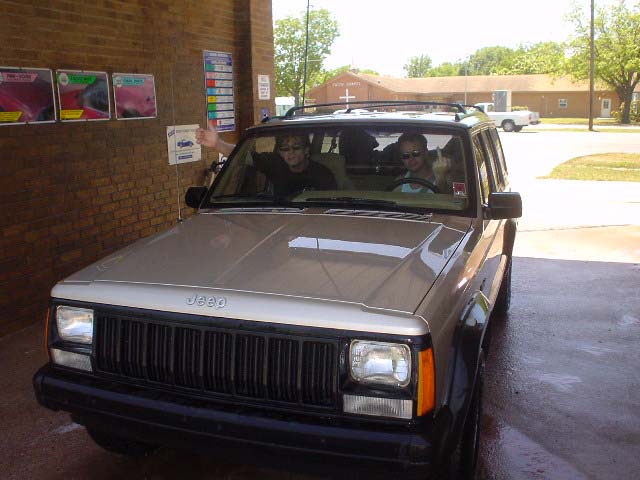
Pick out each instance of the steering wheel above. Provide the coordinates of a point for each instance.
(421, 181)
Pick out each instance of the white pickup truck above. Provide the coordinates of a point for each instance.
(509, 121)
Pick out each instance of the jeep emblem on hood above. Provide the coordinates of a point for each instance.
(203, 301)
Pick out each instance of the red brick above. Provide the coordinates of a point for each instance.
(73, 192)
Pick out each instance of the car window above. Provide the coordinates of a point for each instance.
(415, 168)
(498, 177)
(483, 169)
(500, 154)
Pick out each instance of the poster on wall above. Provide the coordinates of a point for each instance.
(181, 141)
(83, 95)
(26, 96)
(218, 72)
(134, 95)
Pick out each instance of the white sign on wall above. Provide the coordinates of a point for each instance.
(264, 87)
(181, 143)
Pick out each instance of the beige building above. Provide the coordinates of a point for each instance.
(552, 97)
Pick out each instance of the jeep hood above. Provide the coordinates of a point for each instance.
(368, 259)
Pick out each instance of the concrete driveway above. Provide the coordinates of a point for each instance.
(563, 390)
(562, 400)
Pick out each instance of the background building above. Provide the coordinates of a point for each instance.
(551, 97)
(74, 192)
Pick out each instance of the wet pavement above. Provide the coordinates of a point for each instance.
(562, 395)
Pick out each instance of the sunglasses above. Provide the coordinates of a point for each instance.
(286, 148)
(408, 155)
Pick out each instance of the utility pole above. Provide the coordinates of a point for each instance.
(306, 52)
(591, 67)
(466, 75)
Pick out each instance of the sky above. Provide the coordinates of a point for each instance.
(383, 36)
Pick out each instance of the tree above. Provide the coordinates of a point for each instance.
(289, 42)
(447, 69)
(418, 66)
(617, 49)
(543, 57)
(490, 60)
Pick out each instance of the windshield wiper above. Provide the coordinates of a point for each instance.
(352, 201)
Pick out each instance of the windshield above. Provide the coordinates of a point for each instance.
(373, 166)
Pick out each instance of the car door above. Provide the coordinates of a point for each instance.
(491, 240)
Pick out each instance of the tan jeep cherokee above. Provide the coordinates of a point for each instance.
(331, 297)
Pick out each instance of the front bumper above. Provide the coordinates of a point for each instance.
(161, 417)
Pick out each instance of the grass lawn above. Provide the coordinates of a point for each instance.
(581, 121)
(615, 167)
(599, 128)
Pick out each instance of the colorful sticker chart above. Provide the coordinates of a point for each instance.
(83, 96)
(26, 96)
(218, 71)
(134, 95)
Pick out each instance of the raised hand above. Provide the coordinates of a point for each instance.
(208, 138)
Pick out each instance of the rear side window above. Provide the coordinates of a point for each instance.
(483, 169)
(500, 154)
(498, 176)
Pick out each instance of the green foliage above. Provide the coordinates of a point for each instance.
(634, 113)
(289, 42)
(617, 49)
(447, 69)
(544, 57)
(519, 108)
(490, 60)
(418, 66)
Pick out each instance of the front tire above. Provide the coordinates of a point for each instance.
(464, 463)
(508, 126)
(120, 445)
(517, 128)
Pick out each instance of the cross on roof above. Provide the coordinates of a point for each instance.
(347, 97)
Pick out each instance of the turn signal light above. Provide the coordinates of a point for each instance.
(426, 382)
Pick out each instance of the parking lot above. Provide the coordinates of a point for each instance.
(562, 394)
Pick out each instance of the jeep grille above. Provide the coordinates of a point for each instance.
(271, 367)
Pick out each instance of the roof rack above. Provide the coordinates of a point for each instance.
(378, 103)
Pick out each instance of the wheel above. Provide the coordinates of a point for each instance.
(464, 464)
(503, 300)
(120, 445)
(421, 181)
(517, 128)
(508, 125)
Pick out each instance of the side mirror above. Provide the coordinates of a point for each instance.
(504, 205)
(193, 197)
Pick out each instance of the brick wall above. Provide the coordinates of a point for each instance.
(74, 192)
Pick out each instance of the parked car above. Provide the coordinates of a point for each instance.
(510, 121)
(92, 99)
(184, 143)
(349, 322)
(135, 101)
(34, 100)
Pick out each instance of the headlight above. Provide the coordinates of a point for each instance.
(75, 324)
(381, 363)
